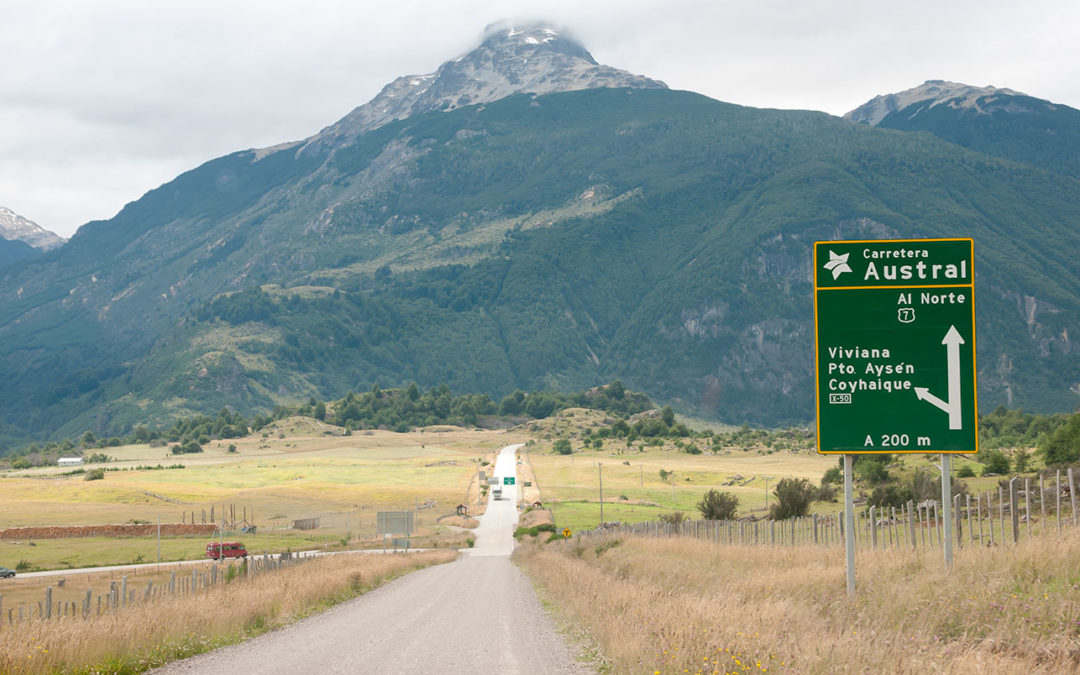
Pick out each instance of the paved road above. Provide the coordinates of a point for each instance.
(476, 615)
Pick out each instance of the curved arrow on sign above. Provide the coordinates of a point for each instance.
(952, 344)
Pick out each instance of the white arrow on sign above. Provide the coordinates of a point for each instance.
(952, 344)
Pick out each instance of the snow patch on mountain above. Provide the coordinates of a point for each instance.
(511, 59)
(14, 227)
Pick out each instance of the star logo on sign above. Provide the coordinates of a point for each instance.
(837, 264)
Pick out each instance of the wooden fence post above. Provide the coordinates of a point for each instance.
(1014, 511)
(939, 525)
(123, 591)
(1072, 495)
(1001, 512)
(48, 603)
(873, 527)
(1042, 504)
(911, 524)
(1057, 491)
(978, 515)
(958, 520)
(1027, 505)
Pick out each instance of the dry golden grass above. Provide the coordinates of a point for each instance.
(145, 636)
(685, 605)
(272, 480)
(536, 517)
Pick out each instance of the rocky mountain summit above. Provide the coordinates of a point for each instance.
(14, 227)
(511, 59)
(997, 121)
(928, 95)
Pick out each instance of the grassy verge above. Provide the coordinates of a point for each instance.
(683, 605)
(149, 635)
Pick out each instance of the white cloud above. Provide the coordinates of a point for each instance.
(106, 100)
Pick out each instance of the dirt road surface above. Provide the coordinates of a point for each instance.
(476, 615)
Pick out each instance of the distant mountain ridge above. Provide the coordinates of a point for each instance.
(512, 58)
(997, 121)
(14, 227)
(927, 95)
(534, 241)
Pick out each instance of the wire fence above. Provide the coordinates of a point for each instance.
(990, 518)
(120, 595)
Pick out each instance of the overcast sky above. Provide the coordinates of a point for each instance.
(101, 101)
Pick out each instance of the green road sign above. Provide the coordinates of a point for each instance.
(508, 480)
(894, 328)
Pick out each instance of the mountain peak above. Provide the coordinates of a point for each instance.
(14, 227)
(932, 92)
(511, 59)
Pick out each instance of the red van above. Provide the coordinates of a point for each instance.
(230, 549)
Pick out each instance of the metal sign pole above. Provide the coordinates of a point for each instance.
(849, 523)
(946, 507)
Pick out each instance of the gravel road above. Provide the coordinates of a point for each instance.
(476, 615)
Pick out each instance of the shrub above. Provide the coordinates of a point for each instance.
(95, 474)
(562, 447)
(965, 471)
(1021, 461)
(995, 461)
(717, 505)
(607, 546)
(1063, 445)
(793, 497)
(833, 475)
(23, 565)
(825, 493)
(673, 518)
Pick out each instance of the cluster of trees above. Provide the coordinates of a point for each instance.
(393, 409)
(1004, 428)
(402, 409)
(662, 425)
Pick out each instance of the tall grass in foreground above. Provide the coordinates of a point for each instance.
(685, 605)
(145, 636)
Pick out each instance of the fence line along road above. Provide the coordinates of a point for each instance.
(119, 596)
(1004, 516)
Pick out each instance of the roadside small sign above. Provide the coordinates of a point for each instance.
(566, 533)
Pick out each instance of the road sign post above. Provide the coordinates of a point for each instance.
(894, 337)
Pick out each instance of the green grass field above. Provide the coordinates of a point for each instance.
(296, 470)
(634, 490)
